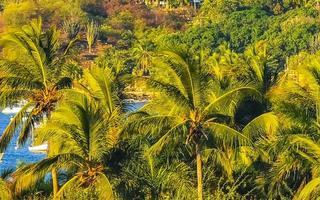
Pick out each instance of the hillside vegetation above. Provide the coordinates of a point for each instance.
(229, 89)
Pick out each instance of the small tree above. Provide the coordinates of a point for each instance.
(72, 28)
(91, 34)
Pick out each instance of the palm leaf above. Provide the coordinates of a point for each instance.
(5, 193)
(103, 187)
(16, 122)
(226, 135)
(227, 102)
(74, 182)
(265, 125)
(29, 175)
(171, 91)
(157, 147)
(308, 190)
(190, 74)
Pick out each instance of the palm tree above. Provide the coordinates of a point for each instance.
(143, 55)
(299, 88)
(308, 148)
(82, 131)
(156, 179)
(294, 173)
(91, 34)
(81, 134)
(191, 108)
(35, 77)
(115, 63)
(262, 69)
(294, 153)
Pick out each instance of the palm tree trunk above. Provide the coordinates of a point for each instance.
(199, 172)
(55, 184)
(154, 194)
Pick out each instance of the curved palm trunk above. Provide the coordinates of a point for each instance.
(55, 184)
(199, 171)
(54, 175)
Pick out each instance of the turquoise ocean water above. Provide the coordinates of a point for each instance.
(13, 156)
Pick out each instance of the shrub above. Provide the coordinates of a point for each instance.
(91, 34)
(126, 40)
(55, 12)
(122, 21)
(27, 10)
(94, 9)
(52, 12)
(71, 28)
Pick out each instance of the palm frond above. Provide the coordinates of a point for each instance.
(171, 91)
(14, 124)
(308, 190)
(157, 147)
(5, 191)
(306, 143)
(263, 126)
(149, 124)
(226, 135)
(29, 175)
(100, 86)
(74, 182)
(227, 102)
(103, 187)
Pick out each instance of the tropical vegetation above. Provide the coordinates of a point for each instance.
(217, 99)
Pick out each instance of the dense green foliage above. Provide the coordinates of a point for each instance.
(230, 92)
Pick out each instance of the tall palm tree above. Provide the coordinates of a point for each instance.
(191, 108)
(33, 77)
(81, 134)
(83, 130)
